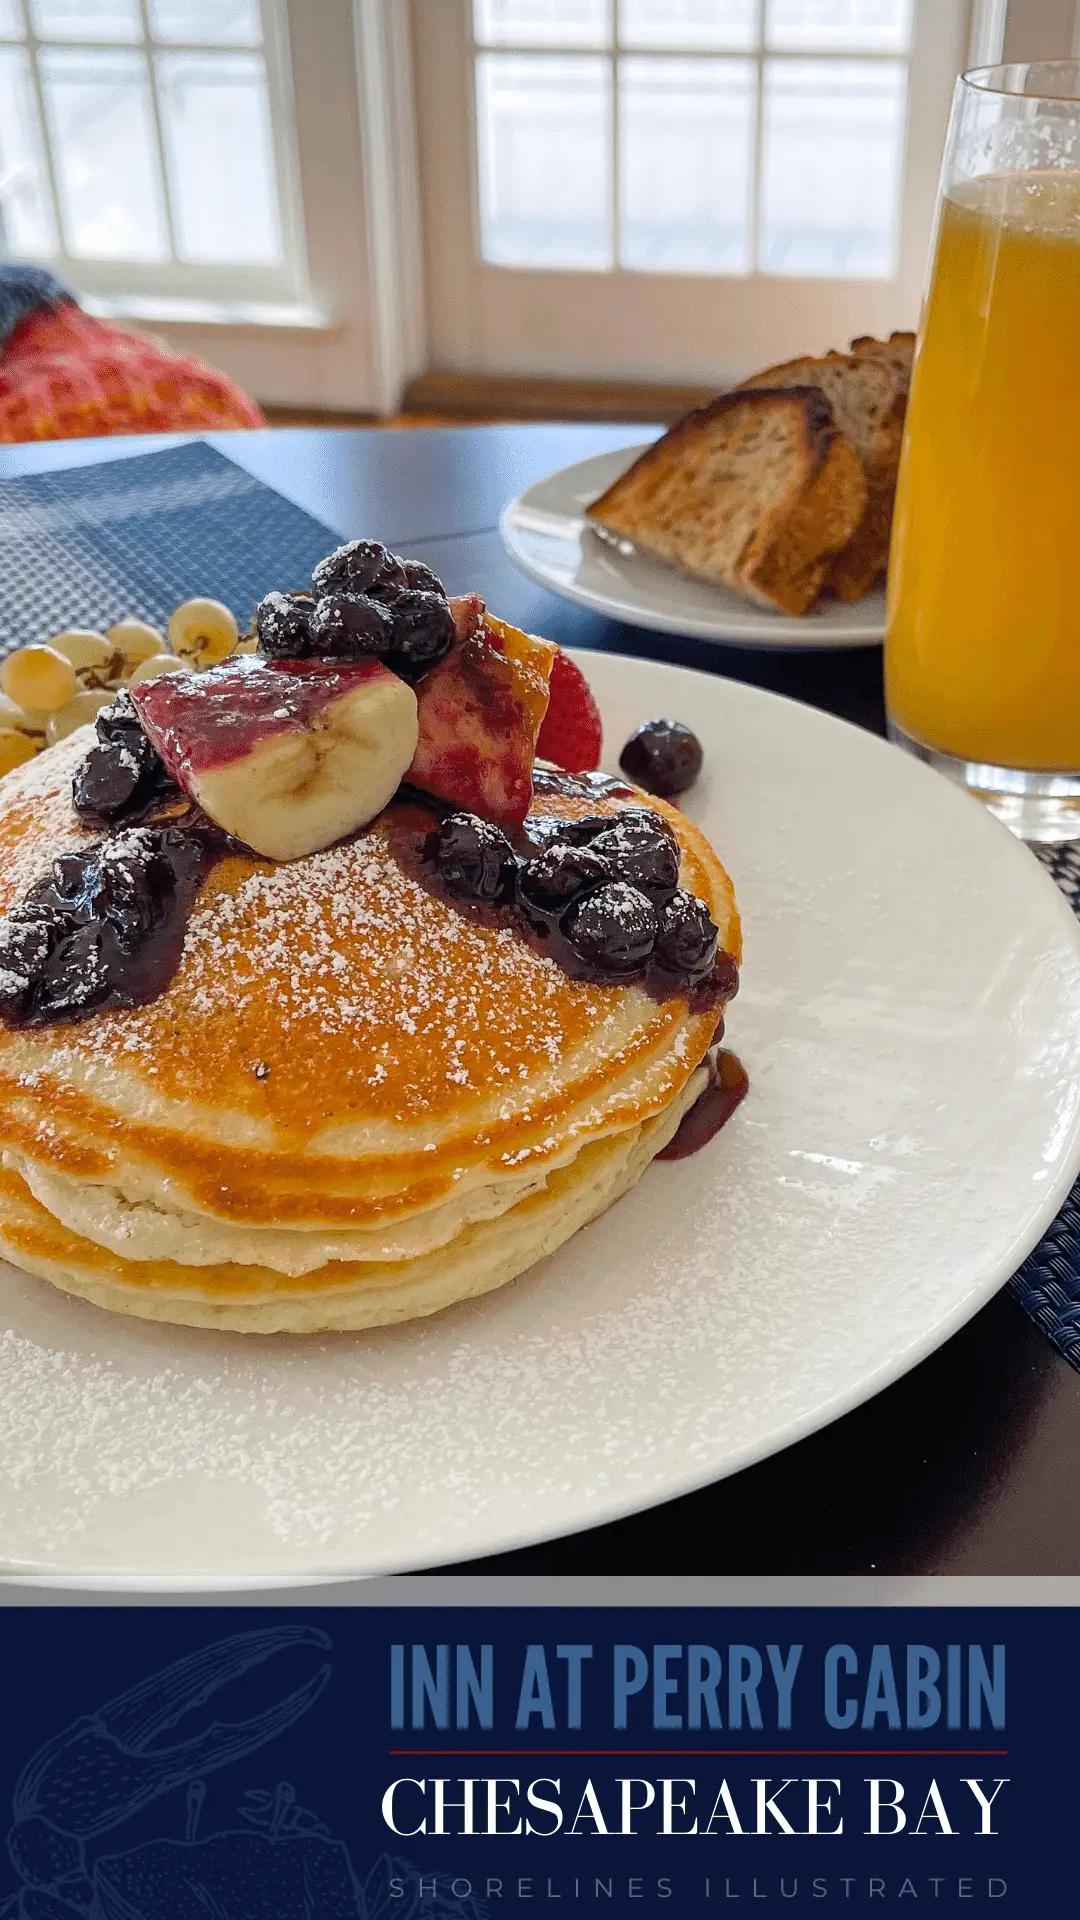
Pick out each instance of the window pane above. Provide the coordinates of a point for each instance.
(690, 24)
(10, 20)
(841, 26)
(26, 218)
(86, 19)
(544, 149)
(831, 169)
(685, 147)
(104, 155)
(209, 23)
(215, 124)
(542, 23)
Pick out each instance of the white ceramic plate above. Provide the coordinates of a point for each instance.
(910, 1016)
(545, 532)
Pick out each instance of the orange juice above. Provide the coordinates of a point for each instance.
(983, 651)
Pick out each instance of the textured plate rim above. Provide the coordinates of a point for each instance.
(26, 1574)
(722, 631)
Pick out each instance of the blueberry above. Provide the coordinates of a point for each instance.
(66, 883)
(116, 724)
(108, 780)
(613, 929)
(392, 580)
(642, 850)
(283, 624)
(123, 773)
(357, 567)
(686, 942)
(417, 575)
(559, 874)
(642, 817)
(544, 828)
(128, 892)
(351, 626)
(76, 975)
(663, 756)
(24, 950)
(473, 856)
(423, 631)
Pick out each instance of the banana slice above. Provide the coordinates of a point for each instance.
(287, 757)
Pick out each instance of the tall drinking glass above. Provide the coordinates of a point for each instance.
(982, 657)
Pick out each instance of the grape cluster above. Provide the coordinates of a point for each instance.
(50, 688)
(604, 888)
(364, 603)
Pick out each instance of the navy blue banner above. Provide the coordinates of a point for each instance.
(414, 1763)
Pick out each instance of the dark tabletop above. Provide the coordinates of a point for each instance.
(969, 1464)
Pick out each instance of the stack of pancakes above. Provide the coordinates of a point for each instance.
(356, 1103)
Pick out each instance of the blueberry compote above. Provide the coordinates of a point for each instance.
(600, 893)
(727, 1085)
(104, 928)
(122, 778)
(364, 602)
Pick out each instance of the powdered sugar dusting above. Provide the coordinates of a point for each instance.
(38, 795)
(347, 971)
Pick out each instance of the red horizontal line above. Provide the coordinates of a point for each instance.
(696, 1753)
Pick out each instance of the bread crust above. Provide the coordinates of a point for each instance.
(687, 498)
(897, 352)
(875, 426)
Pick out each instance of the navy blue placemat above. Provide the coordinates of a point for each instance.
(1048, 1284)
(132, 538)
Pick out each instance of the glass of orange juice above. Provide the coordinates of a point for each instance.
(982, 654)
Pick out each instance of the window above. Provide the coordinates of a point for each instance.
(692, 136)
(145, 146)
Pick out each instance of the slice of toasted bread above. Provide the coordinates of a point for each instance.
(897, 352)
(755, 491)
(867, 401)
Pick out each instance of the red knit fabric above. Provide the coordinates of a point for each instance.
(65, 375)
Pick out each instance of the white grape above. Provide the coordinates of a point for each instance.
(15, 748)
(38, 677)
(159, 663)
(203, 632)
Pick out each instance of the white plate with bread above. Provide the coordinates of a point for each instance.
(761, 519)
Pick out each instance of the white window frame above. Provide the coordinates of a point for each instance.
(626, 324)
(359, 325)
(378, 298)
(358, 336)
(339, 325)
(281, 283)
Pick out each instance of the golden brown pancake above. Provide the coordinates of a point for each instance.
(357, 1102)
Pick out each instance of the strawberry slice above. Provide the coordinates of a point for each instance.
(572, 733)
(480, 711)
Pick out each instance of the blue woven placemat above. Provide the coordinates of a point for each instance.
(89, 545)
(134, 537)
(1048, 1284)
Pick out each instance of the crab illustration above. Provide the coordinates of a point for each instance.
(281, 1863)
(103, 1768)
